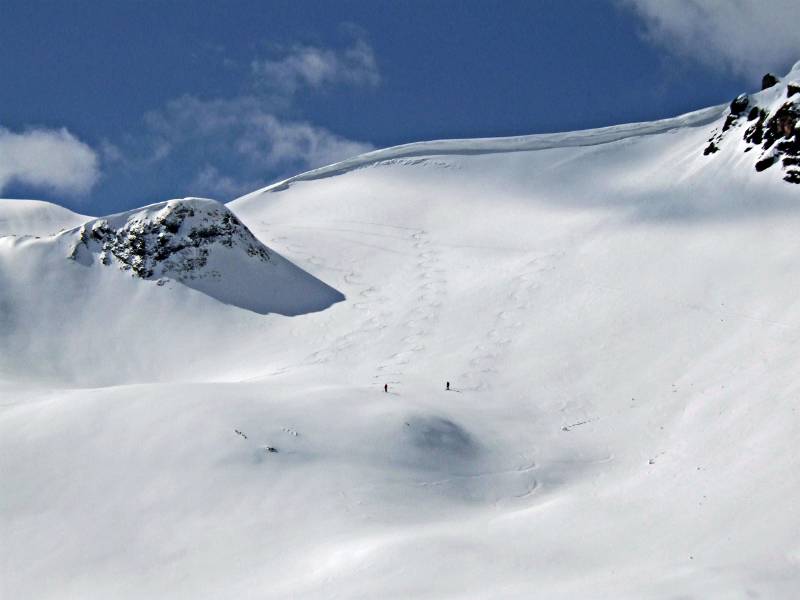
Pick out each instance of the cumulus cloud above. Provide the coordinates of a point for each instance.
(240, 143)
(47, 158)
(748, 37)
(314, 67)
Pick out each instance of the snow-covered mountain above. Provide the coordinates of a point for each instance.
(616, 312)
(201, 244)
(138, 296)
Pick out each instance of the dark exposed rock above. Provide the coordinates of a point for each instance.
(755, 133)
(774, 130)
(782, 124)
(730, 120)
(766, 163)
(768, 81)
(739, 104)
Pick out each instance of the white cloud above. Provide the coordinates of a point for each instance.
(313, 67)
(210, 182)
(272, 141)
(748, 37)
(240, 143)
(47, 158)
(224, 147)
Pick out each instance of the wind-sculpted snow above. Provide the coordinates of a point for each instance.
(526, 143)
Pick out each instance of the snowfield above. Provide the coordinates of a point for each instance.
(616, 312)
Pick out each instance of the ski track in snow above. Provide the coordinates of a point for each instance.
(420, 322)
(370, 304)
(487, 357)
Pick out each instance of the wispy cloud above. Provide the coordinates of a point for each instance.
(226, 146)
(239, 143)
(209, 182)
(747, 37)
(315, 67)
(53, 159)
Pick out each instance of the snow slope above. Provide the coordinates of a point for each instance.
(618, 319)
(36, 218)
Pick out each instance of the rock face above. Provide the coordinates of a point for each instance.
(202, 245)
(770, 129)
(768, 81)
(173, 241)
(739, 104)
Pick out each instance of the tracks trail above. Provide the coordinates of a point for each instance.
(487, 356)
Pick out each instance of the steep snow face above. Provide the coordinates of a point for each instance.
(201, 244)
(618, 320)
(766, 125)
(36, 218)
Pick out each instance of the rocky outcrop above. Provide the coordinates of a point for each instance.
(199, 244)
(768, 81)
(768, 124)
(739, 104)
(173, 239)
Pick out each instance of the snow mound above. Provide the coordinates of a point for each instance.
(202, 244)
(36, 218)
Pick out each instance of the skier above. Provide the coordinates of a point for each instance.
(448, 386)
(385, 387)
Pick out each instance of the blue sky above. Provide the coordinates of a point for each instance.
(110, 105)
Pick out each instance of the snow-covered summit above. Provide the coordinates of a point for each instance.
(173, 238)
(202, 244)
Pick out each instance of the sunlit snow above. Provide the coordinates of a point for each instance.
(617, 315)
